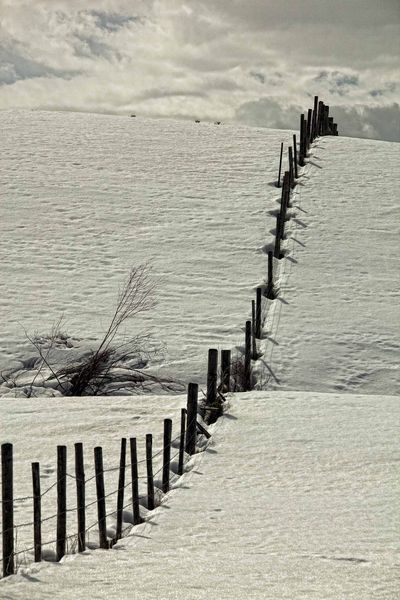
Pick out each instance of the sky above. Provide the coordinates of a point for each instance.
(258, 62)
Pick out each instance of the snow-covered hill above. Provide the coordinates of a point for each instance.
(87, 196)
(296, 497)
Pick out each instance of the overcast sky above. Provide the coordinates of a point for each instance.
(256, 61)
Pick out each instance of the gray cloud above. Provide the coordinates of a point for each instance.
(376, 122)
(258, 61)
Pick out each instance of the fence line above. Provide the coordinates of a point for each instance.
(234, 375)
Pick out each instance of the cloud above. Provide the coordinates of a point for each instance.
(211, 59)
(376, 122)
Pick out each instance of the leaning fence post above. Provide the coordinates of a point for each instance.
(61, 501)
(80, 495)
(7, 494)
(277, 250)
(225, 370)
(247, 357)
(182, 442)
(101, 500)
(37, 512)
(135, 483)
(121, 489)
(278, 184)
(191, 427)
(149, 467)
(166, 454)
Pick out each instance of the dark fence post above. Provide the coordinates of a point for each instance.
(101, 500)
(166, 454)
(330, 125)
(80, 496)
(253, 331)
(61, 501)
(191, 426)
(149, 466)
(7, 494)
(301, 150)
(37, 512)
(247, 358)
(258, 312)
(212, 377)
(320, 117)
(135, 483)
(225, 371)
(278, 184)
(270, 281)
(309, 118)
(182, 442)
(314, 119)
(277, 250)
(121, 489)
(291, 167)
(296, 174)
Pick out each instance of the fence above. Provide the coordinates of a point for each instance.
(233, 376)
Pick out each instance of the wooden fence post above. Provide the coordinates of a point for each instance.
(247, 358)
(320, 117)
(135, 483)
(296, 174)
(270, 280)
(330, 125)
(308, 139)
(101, 500)
(225, 371)
(80, 495)
(191, 415)
(291, 167)
(314, 119)
(7, 494)
(37, 512)
(166, 454)
(253, 331)
(277, 250)
(121, 489)
(182, 442)
(278, 184)
(149, 468)
(258, 312)
(301, 149)
(61, 501)
(212, 377)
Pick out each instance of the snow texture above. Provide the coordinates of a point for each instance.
(297, 497)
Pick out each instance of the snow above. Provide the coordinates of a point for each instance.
(337, 326)
(88, 196)
(297, 497)
(297, 494)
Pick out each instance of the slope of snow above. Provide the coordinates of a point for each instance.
(85, 197)
(297, 497)
(337, 325)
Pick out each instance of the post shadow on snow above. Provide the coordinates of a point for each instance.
(293, 260)
(311, 162)
(283, 299)
(299, 242)
(299, 222)
(271, 372)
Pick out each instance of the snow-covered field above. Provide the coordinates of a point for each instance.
(297, 497)
(88, 196)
